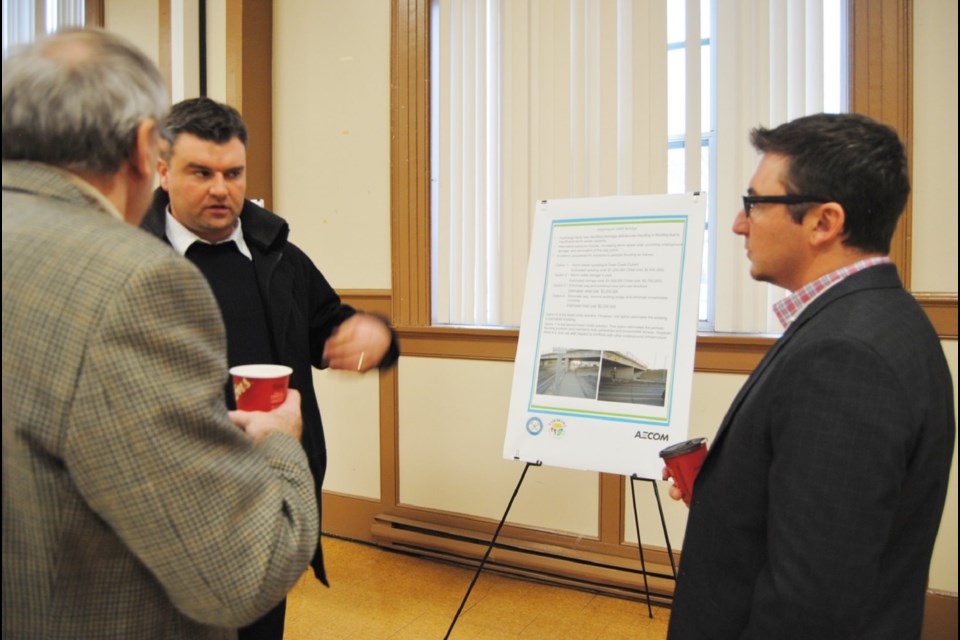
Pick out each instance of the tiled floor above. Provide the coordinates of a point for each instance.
(380, 594)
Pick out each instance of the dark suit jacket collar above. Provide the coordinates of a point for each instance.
(882, 276)
(263, 229)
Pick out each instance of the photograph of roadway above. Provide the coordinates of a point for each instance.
(600, 375)
(572, 373)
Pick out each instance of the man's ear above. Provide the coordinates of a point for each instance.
(163, 170)
(826, 223)
(163, 166)
(143, 160)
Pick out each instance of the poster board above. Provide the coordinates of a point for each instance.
(604, 367)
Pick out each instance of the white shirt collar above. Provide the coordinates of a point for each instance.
(181, 238)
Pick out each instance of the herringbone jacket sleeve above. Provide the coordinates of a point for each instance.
(226, 527)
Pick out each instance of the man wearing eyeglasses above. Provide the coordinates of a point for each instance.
(816, 510)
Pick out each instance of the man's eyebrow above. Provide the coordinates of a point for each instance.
(198, 165)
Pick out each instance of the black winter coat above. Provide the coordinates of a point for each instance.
(302, 311)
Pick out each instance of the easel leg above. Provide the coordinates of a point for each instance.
(663, 523)
(490, 547)
(643, 563)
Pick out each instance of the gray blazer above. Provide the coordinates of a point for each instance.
(816, 510)
(132, 507)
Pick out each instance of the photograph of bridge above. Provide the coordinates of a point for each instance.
(593, 374)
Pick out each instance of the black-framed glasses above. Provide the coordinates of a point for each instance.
(749, 201)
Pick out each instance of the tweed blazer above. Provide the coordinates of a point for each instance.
(132, 507)
(816, 510)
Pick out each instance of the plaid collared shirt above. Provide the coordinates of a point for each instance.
(793, 305)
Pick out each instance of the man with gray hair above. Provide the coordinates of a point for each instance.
(134, 504)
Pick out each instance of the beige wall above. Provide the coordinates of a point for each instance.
(331, 124)
(331, 145)
(352, 428)
(934, 146)
(943, 567)
(137, 21)
(217, 49)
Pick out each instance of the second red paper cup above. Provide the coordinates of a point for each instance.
(684, 460)
(260, 387)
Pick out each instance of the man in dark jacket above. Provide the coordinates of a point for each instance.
(277, 307)
(816, 510)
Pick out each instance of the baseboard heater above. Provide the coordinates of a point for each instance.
(547, 563)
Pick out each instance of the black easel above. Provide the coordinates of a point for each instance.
(490, 547)
(636, 520)
(666, 536)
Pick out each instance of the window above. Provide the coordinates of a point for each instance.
(689, 120)
(535, 100)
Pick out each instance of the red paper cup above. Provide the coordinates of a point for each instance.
(684, 460)
(260, 387)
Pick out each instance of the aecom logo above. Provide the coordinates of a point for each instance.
(652, 435)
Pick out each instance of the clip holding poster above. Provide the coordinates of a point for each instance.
(604, 367)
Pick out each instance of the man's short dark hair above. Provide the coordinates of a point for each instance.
(851, 159)
(207, 119)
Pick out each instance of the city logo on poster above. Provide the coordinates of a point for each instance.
(558, 428)
(534, 426)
